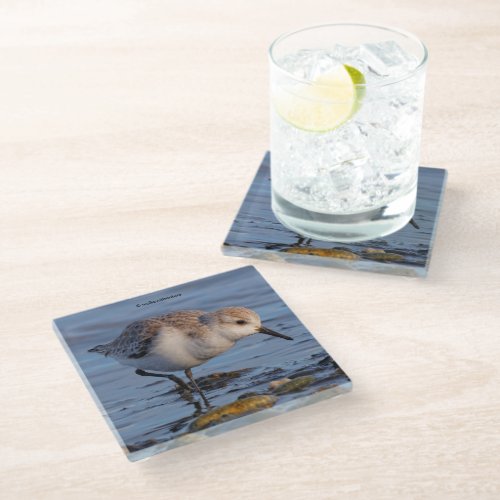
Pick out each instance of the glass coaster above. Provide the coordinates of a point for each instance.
(256, 233)
(195, 360)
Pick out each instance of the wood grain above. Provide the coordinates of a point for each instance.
(130, 131)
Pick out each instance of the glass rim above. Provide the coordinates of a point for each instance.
(382, 83)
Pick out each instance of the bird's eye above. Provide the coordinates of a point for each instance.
(241, 322)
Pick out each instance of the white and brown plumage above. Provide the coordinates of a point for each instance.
(182, 340)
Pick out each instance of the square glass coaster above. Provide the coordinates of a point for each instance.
(256, 233)
(132, 354)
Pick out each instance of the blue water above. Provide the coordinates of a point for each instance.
(145, 410)
(256, 226)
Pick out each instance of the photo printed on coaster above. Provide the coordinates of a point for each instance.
(195, 360)
(256, 233)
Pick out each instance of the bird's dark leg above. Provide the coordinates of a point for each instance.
(414, 224)
(173, 378)
(186, 394)
(189, 375)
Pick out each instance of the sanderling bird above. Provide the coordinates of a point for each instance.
(182, 340)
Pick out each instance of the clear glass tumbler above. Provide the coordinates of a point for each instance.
(346, 119)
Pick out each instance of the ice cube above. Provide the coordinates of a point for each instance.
(323, 63)
(308, 64)
(392, 151)
(346, 158)
(346, 176)
(387, 59)
(299, 63)
(345, 53)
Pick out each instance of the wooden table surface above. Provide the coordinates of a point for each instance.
(130, 131)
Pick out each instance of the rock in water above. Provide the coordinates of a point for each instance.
(381, 255)
(296, 384)
(218, 380)
(232, 410)
(335, 253)
(276, 383)
(373, 250)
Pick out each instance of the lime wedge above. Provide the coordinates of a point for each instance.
(323, 105)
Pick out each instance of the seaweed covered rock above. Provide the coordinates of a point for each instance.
(218, 380)
(381, 255)
(232, 410)
(295, 385)
(274, 384)
(335, 253)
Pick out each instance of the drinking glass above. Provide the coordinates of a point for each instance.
(346, 119)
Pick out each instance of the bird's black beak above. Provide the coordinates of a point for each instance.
(267, 331)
